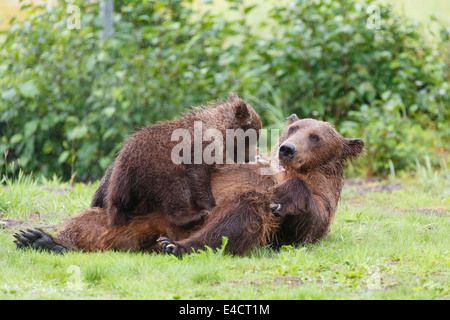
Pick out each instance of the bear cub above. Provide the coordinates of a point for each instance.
(143, 175)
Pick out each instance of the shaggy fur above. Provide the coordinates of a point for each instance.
(144, 174)
(294, 205)
(305, 195)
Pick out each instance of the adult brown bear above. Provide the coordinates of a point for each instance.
(293, 205)
(305, 194)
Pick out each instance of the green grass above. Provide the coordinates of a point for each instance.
(387, 242)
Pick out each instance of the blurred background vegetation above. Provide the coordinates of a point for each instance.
(68, 98)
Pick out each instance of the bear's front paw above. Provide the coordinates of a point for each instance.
(276, 209)
(168, 246)
(202, 214)
(283, 209)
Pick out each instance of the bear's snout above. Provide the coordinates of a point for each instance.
(286, 151)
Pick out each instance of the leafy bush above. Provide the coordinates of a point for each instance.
(392, 140)
(388, 86)
(68, 99)
(328, 61)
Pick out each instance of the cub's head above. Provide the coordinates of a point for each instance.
(246, 125)
(306, 144)
(245, 116)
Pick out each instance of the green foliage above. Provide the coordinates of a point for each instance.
(328, 61)
(393, 141)
(68, 99)
(387, 85)
(28, 198)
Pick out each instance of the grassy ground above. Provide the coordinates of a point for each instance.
(388, 241)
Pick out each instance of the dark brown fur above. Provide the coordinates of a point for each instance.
(144, 173)
(308, 191)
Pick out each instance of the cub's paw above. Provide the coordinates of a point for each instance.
(168, 246)
(38, 240)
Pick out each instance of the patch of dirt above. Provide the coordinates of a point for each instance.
(59, 190)
(240, 282)
(363, 187)
(15, 225)
(292, 281)
(441, 212)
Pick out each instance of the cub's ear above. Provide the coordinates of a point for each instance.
(353, 147)
(292, 118)
(232, 96)
(242, 112)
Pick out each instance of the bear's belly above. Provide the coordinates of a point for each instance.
(230, 180)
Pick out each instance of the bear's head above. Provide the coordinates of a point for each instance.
(307, 144)
(246, 126)
(246, 117)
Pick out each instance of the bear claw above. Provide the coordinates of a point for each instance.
(169, 247)
(276, 207)
(38, 240)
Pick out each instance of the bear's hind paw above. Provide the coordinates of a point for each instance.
(38, 240)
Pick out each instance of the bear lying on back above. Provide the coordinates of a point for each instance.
(144, 176)
(292, 206)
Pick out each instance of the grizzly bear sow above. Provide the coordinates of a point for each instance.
(293, 205)
(144, 176)
(303, 197)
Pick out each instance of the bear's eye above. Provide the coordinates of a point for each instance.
(314, 137)
(292, 130)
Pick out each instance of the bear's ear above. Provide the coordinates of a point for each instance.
(353, 147)
(242, 112)
(232, 96)
(292, 118)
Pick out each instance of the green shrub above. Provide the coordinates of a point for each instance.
(393, 141)
(328, 61)
(388, 86)
(68, 99)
